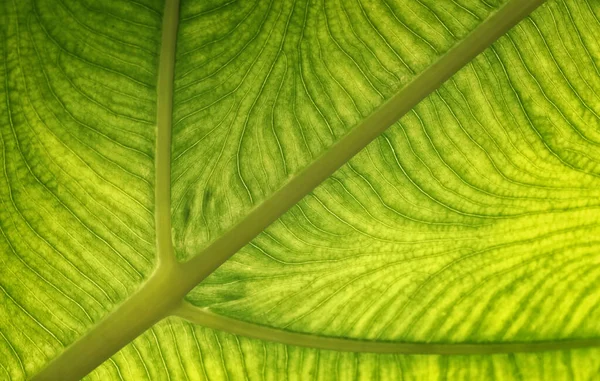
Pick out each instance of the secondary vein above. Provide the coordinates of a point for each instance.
(209, 319)
(164, 117)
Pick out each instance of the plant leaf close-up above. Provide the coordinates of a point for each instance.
(299, 189)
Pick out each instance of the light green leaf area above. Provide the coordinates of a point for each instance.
(177, 350)
(77, 137)
(262, 88)
(474, 219)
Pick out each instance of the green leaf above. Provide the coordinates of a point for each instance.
(459, 239)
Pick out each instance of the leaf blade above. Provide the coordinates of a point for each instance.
(214, 186)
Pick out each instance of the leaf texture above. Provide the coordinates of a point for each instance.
(472, 220)
(263, 88)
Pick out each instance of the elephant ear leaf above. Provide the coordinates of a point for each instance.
(142, 143)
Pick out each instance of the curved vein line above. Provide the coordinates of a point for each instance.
(208, 319)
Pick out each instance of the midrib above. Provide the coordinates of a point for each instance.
(162, 294)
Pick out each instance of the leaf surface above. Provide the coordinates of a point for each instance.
(471, 221)
(263, 89)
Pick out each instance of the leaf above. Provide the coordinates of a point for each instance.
(467, 223)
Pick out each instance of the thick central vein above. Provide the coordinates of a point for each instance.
(163, 292)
